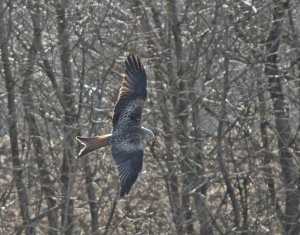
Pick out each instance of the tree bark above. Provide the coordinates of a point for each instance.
(12, 126)
(267, 157)
(180, 96)
(198, 178)
(220, 131)
(90, 189)
(91, 192)
(67, 171)
(282, 125)
(33, 129)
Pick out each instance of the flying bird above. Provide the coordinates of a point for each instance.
(127, 130)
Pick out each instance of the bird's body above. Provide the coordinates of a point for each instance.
(127, 132)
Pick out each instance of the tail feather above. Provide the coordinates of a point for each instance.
(92, 143)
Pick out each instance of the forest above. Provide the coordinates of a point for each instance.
(223, 102)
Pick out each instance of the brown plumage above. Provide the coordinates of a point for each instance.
(127, 133)
(92, 143)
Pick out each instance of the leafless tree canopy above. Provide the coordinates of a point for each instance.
(224, 104)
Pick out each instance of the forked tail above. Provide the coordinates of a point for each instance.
(92, 143)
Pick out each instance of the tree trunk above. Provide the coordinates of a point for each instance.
(89, 181)
(91, 192)
(33, 129)
(220, 134)
(282, 125)
(67, 171)
(12, 126)
(180, 96)
(267, 157)
(198, 178)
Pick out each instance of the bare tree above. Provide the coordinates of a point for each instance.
(223, 103)
(35, 133)
(67, 171)
(12, 124)
(290, 174)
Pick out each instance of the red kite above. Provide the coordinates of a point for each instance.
(127, 132)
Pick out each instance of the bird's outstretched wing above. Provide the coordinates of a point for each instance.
(129, 165)
(127, 133)
(132, 94)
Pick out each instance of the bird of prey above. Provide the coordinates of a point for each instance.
(127, 132)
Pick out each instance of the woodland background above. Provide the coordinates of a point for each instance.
(224, 99)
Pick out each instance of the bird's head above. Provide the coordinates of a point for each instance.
(147, 134)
